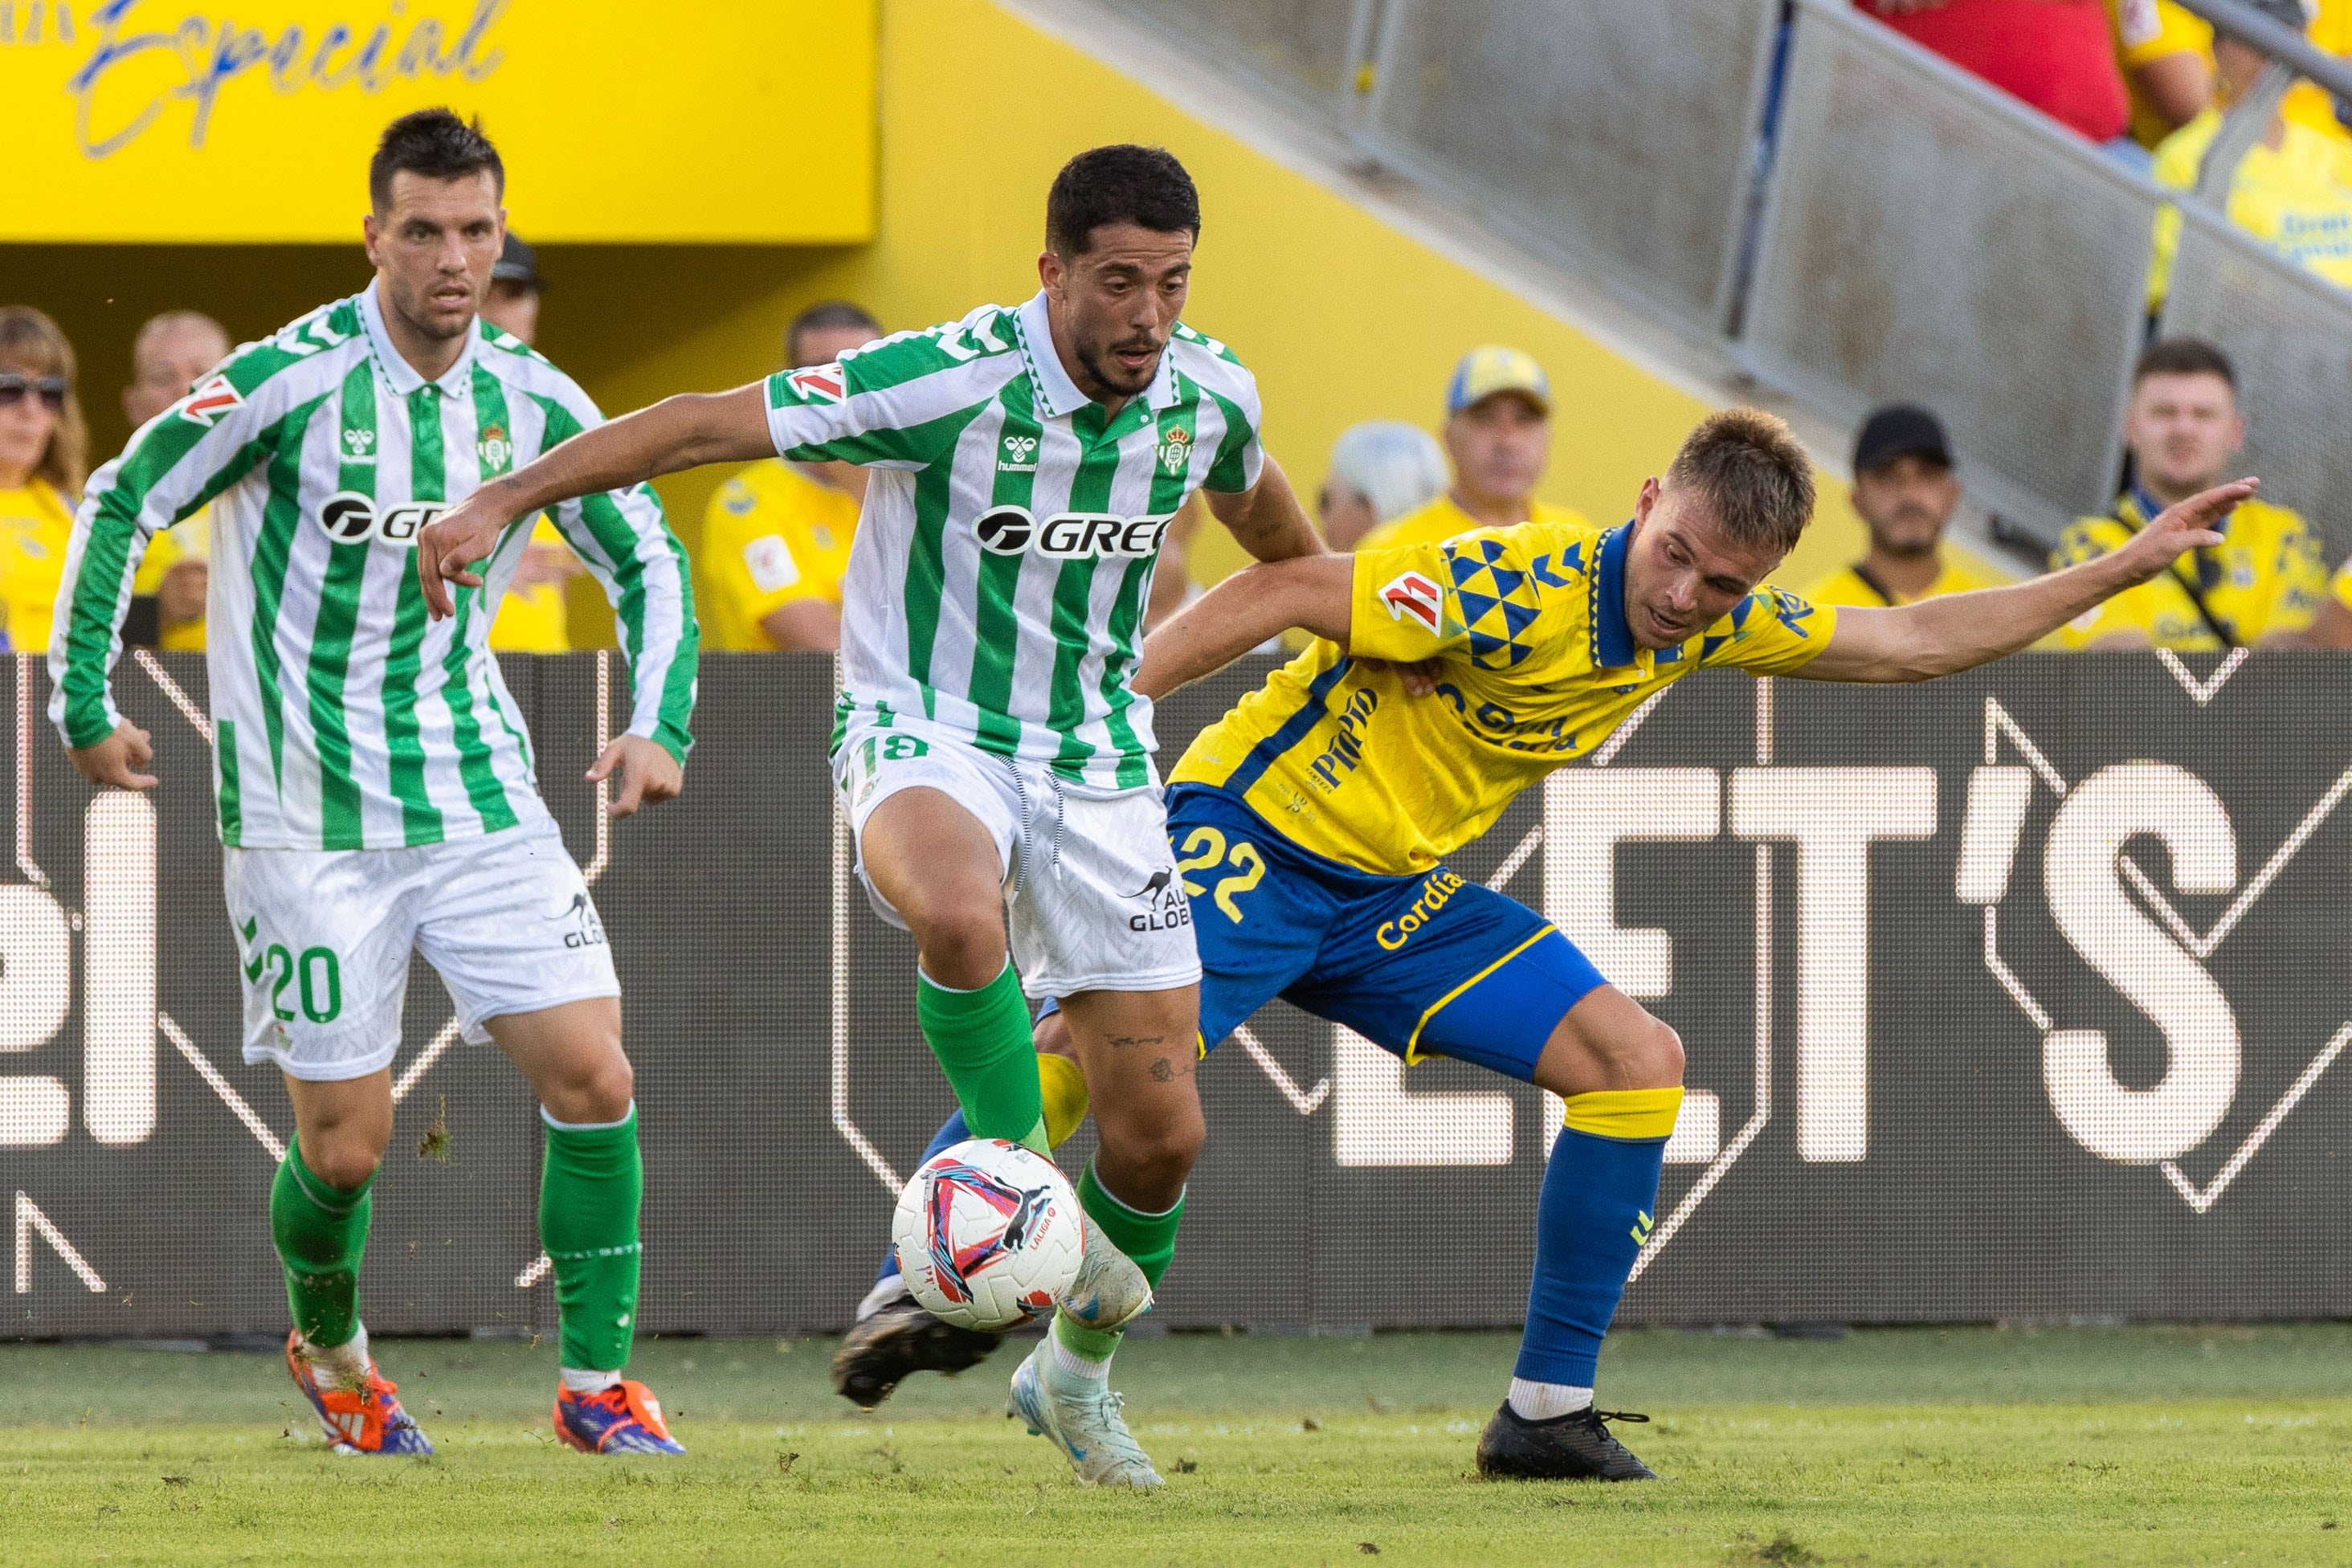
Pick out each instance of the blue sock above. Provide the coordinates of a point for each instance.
(951, 1133)
(1598, 1193)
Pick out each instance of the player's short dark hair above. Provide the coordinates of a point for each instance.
(2184, 356)
(436, 144)
(1121, 184)
(1754, 474)
(817, 317)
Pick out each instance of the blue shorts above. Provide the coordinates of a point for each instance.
(1421, 966)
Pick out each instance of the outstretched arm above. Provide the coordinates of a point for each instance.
(1266, 517)
(1943, 637)
(680, 432)
(1313, 592)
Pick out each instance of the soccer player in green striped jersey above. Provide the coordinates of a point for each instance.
(994, 759)
(373, 778)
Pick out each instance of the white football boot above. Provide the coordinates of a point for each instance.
(1110, 1292)
(1081, 1415)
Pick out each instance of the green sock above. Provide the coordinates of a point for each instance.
(320, 1234)
(1148, 1239)
(981, 1038)
(589, 1190)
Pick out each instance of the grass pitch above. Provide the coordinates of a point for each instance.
(1899, 1447)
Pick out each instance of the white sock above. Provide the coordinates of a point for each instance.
(888, 1288)
(1548, 1401)
(1070, 1363)
(580, 1382)
(348, 1361)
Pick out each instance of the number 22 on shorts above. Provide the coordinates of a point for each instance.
(1205, 846)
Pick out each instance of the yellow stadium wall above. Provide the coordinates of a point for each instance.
(1342, 318)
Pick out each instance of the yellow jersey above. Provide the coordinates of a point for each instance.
(189, 539)
(1961, 574)
(2149, 30)
(771, 535)
(533, 619)
(1538, 666)
(2267, 575)
(1441, 520)
(35, 524)
(2298, 200)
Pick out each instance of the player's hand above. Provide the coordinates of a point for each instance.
(448, 545)
(648, 773)
(1419, 677)
(2189, 526)
(117, 759)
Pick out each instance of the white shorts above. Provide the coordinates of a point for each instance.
(326, 935)
(1092, 899)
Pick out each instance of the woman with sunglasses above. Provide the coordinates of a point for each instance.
(44, 458)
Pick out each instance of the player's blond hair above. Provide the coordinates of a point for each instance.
(1754, 474)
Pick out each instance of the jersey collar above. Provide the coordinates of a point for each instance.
(1057, 395)
(398, 371)
(1612, 638)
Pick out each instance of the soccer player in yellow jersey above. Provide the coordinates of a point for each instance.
(2266, 579)
(1312, 821)
(1498, 438)
(1318, 813)
(776, 538)
(1904, 488)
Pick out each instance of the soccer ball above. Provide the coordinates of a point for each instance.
(989, 1234)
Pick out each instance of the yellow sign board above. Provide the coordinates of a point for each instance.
(690, 121)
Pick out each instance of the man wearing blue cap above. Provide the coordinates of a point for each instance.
(1498, 438)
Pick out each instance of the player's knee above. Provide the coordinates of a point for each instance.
(343, 1159)
(1157, 1159)
(963, 949)
(1655, 1058)
(593, 1090)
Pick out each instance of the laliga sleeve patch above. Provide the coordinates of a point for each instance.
(819, 383)
(1412, 595)
(769, 561)
(210, 401)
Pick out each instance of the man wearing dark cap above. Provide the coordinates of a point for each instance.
(1904, 488)
(515, 287)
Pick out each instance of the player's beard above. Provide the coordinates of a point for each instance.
(1110, 375)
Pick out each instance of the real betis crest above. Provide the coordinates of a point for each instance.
(1176, 451)
(495, 449)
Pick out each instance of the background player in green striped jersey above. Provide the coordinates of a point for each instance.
(374, 783)
(994, 760)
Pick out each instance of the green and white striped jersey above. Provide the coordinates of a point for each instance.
(343, 718)
(997, 586)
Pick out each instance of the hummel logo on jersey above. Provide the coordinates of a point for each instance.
(820, 384)
(1413, 594)
(358, 444)
(210, 401)
(351, 517)
(1069, 535)
(1021, 449)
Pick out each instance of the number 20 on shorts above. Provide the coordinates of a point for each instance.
(1205, 846)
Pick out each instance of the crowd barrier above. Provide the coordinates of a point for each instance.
(1882, 227)
(2017, 996)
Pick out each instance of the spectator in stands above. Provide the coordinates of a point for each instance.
(1904, 488)
(1498, 435)
(1378, 470)
(2166, 54)
(515, 288)
(532, 618)
(44, 458)
(2262, 583)
(172, 352)
(2293, 189)
(776, 538)
(2057, 55)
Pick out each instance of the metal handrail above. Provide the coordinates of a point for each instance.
(2277, 40)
